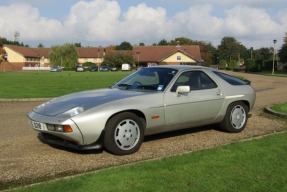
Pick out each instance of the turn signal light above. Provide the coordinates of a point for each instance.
(67, 128)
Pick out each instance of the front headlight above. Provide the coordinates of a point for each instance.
(42, 105)
(73, 112)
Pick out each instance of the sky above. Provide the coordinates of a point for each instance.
(254, 23)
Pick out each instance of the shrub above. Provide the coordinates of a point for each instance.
(88, 64)
(233, 64)
(253, 65)
(268, 65)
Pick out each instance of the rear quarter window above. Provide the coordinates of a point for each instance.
(231, 79)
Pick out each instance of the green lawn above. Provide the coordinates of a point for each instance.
(257, 165)
(54, 84)
(281, 108)
(276, 73)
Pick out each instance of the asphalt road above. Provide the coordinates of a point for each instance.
(24, 159)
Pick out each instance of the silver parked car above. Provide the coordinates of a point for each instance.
(149, 101)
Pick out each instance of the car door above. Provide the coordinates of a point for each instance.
(200, 106)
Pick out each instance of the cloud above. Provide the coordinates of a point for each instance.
(244, 21)
(252, 26)
(28, 22)
(95, 20)
(248, 3)
(198, 21)
(102, 22)
(144, 23)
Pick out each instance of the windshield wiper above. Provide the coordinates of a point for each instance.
(123, 85)
(146, 87)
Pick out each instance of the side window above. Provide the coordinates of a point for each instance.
(182, 80)
(197, 80)
(207, 82)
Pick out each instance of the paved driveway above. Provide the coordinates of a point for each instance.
(23, 158)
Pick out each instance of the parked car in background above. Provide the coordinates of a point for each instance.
(93, 68)
(139, 68)
(104, 68)
(126, 67)
(149, 101)
(79, 68)
(56, 69)
(114, 68)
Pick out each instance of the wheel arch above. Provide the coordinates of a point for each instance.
(134, 111)
(247, 104)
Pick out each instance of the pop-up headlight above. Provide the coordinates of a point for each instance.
(73, 112)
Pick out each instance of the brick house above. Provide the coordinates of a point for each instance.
(173, 55)
(19, 56)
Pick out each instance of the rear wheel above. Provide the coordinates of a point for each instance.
(235, 119)
(124, 134)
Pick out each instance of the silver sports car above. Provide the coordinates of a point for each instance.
(149, 101)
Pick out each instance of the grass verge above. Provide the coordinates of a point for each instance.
(281, 108)
(255, 165)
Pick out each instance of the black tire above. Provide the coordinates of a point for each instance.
(124, 134)
(235, 119)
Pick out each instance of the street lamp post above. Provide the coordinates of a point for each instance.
(274, 41)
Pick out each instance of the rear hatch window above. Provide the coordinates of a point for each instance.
(231, 79)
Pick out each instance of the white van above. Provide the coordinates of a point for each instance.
(126, 67)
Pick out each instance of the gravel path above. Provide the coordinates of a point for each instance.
(24, 159)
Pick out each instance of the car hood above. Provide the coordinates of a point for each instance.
(85, 99)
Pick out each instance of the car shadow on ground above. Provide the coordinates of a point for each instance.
(148, 138)
(181, 132)
(64, 148)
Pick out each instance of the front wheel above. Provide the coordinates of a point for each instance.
(124, 134)
(235, 119)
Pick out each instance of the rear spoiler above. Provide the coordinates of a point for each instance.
(247, 81)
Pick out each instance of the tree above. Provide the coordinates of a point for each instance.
(8, 42)
(1, 42)
(110, 48)
(263, 54)
(141, 44)
(231, 50)
(181, 41)
(40, 45)
(117, 58)
(163, 42)
(65, 55)
(2, 51)
(124, 46)
(282, 54)
(78, 44)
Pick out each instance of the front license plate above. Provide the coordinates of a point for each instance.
(36, 125)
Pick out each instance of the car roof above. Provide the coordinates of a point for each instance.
(182, 67)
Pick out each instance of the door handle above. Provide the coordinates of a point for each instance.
(219, 92)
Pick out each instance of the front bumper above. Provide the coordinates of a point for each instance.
(53, 140)
(75, 136)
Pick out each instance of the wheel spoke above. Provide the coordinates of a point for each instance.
(127, 134)
(238, 117)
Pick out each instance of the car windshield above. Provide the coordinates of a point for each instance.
(153, 78)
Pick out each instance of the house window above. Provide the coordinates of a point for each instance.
(178, 58)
